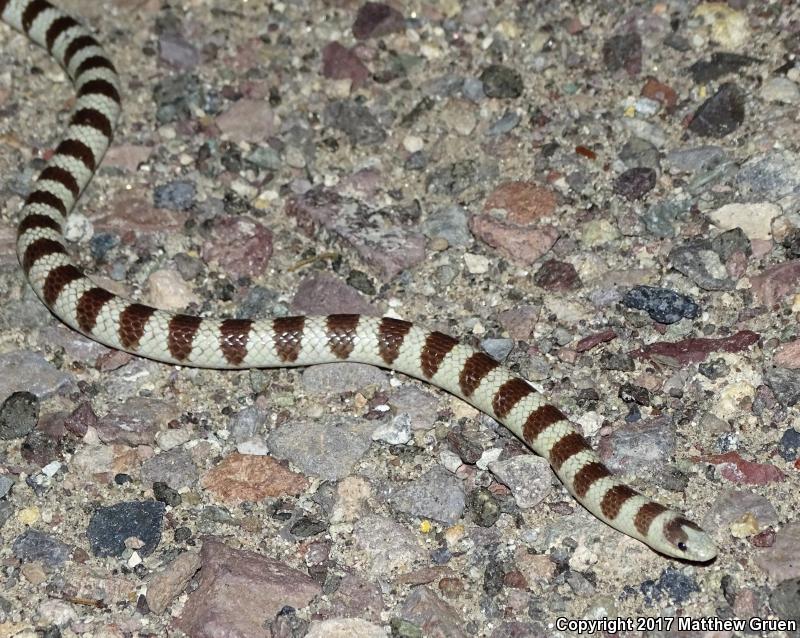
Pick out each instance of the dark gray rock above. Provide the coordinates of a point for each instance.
(110, 526)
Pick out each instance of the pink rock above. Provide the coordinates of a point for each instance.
(737, 470)
(587, 343)
(243, 477)
(776, 283)
(557, 276)
(375, 19)
(788, 355)
(240, 591)
(697, 350)
(520, 321)
(128, 212)
(248, 121)
(341, 63)
(127, 157)
(136, 421)
(782, 560)
(525, 202)
(521, 244)
(383, 238)
(324, 294)
(240, 245)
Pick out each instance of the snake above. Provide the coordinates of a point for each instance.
(388, 342)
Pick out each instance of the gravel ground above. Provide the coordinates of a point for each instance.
(605, 195)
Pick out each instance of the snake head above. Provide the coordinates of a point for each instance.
(685, 539)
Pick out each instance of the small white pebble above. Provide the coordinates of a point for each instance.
(134, 560)
(476, 264)
(450, 460)
(78, 228)
(488, 456)
(412, 143)
(51, 469)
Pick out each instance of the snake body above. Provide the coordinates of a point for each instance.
(187, 340)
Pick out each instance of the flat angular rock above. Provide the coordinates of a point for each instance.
(244, 477)
(110, 527)
(437, 495)
(328, 449)
(239, 591)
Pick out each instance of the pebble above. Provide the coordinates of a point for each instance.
(385, 545)
(729, 27)
(732, 467)
(769, 176)
(696, 159)
(174, 468)
(136, 421)
(558, 276)
(702, 265)
(696, 350)
(341, 63)
(242, 477)
(638, 152)
(640, 446)
(781, 90)
(248, 120)
(240, 246)
(788, 447)
(720, 63)
(323, 293)
(176, 195)
(394, 431)
(720, 114)
(785, 599)
(781, 561)
(110, 527)
(660, 218)
(32, 373)
(436, 495)
(623, 51)
(450, 223)
(476, 264)
(230, 576)
(166, 289)
(327, 448)
(33, 545)
(18, 415)
(662, 304)
(387, 242)
(521, 244)
(501, 81)
(344, 628)
(785, 384)
(377, 19)
(355, 596)
(732, 505)
(419, 405)
(165, 585)
(527, 476)
(507, 123)
(5, 485)
(635, 183)
(775, 283)
(754, 219)
(672, 584)
(787, 355)
(432, 615)
(524, 202)
(356, 121)
(498, 349)
(177, 97)
(660, 92)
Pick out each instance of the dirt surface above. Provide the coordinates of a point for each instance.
(605, 195)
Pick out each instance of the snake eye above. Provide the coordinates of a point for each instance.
(682, 546)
